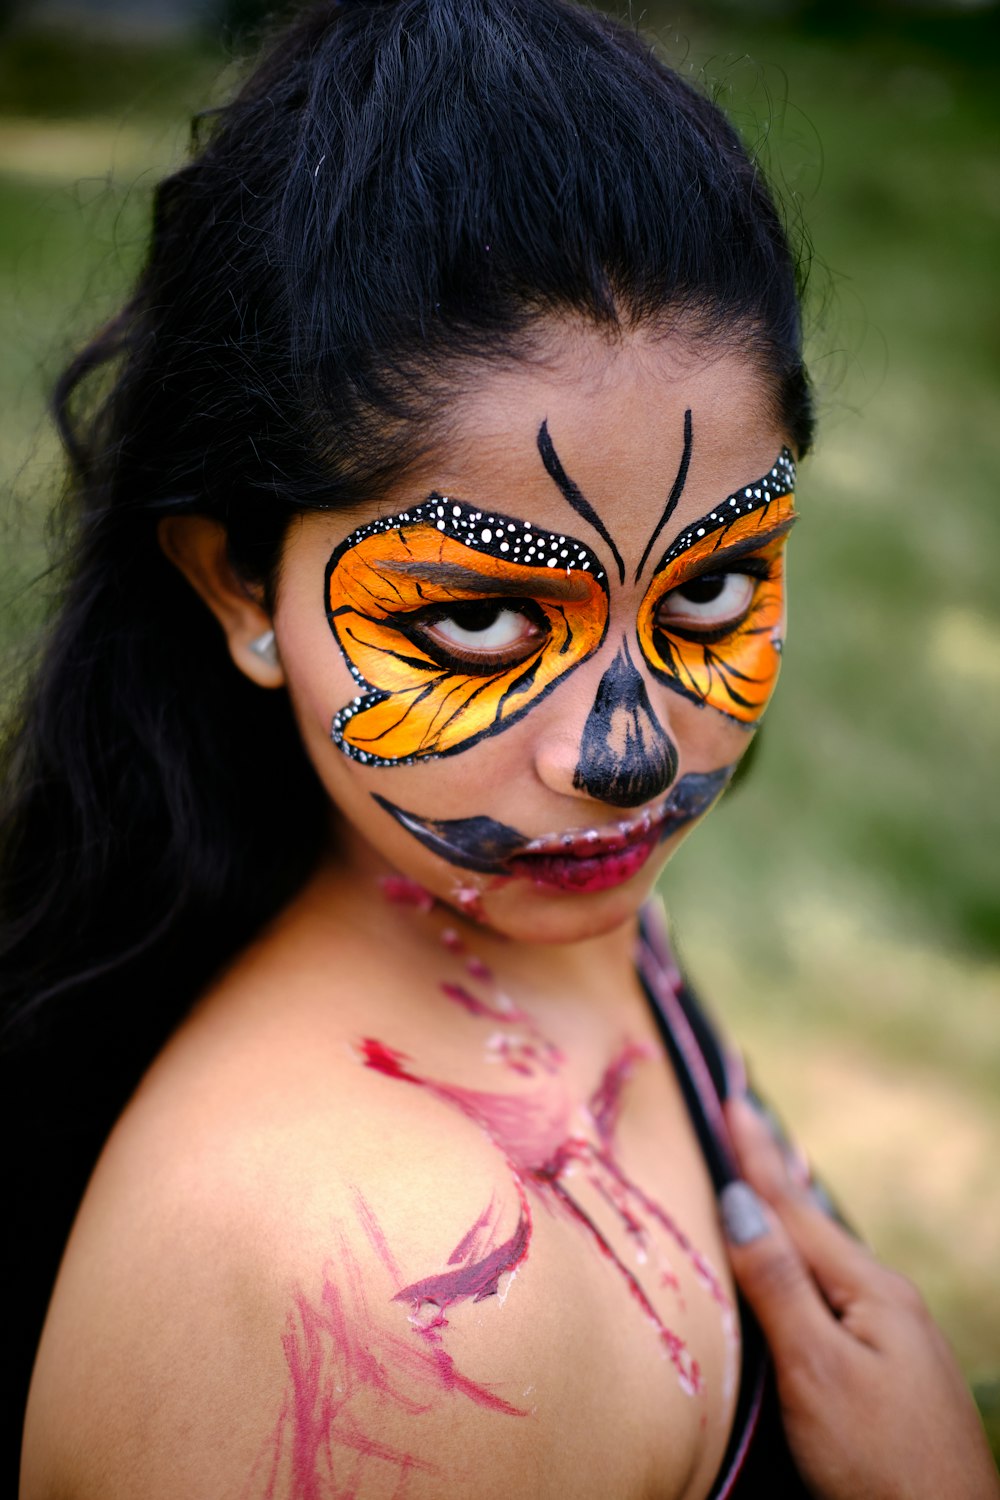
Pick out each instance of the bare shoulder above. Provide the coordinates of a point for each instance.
(297, 1273)
(242, 1310)
(232, 1319)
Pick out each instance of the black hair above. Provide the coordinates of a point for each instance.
(398, 193)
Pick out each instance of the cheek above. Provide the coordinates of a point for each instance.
(317, 682)
(705, 738)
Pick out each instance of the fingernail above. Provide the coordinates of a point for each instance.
(743, 1217)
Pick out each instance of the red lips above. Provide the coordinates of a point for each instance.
(590, 863)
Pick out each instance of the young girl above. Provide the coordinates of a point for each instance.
(433, 491)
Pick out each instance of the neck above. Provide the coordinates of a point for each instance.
(379, 905)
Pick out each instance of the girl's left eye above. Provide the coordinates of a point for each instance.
(707, 602)
(483, 634)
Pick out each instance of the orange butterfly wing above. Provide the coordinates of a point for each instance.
(737, 673)
(409, 706)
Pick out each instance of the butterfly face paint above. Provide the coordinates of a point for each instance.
(710, 622)
(454, 622)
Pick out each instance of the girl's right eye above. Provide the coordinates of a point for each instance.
(483, 635)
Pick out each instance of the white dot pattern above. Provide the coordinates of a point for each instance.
(498, 536)
(340, 721)
(757, 496)
(483, 531)
(520, 542)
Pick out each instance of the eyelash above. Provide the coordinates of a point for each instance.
(482, 664)
(479, 663)
(759, 568)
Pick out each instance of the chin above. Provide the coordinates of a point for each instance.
(530, 912)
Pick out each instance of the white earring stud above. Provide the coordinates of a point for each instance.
(266, 648)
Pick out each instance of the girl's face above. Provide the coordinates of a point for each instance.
(526, 671)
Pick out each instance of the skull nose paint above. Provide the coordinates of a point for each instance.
(626, 758)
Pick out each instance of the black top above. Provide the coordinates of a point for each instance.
(757, 1464)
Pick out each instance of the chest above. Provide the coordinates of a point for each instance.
(592, 1280)
(629, 1252)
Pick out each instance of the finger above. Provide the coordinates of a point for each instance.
(762, 1156)
(775, 1279)
(858, 1422)
(795, 1158)
(844, 1268)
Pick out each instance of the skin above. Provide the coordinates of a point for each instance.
(379, 1092)
(637, 395)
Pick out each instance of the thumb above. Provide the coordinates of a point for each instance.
(773, 1276)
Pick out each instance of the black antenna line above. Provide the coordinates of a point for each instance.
(675, 493)
(574, 495)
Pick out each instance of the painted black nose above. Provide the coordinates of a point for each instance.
(626, 758)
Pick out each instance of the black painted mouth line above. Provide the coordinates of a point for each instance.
(489, 847)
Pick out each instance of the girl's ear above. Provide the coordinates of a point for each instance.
(197, 546)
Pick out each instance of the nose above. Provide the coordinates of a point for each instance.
(626, 757)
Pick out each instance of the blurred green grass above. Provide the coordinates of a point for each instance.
(841, 910)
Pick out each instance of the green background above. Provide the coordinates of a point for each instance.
(840, 910)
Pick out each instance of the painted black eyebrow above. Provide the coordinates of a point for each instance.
(574, 495)
(676, 490)
(757, 496)
(554, 582)
(735, 551)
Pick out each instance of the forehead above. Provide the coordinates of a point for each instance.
(615, 412)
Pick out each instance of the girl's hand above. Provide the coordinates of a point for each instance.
(873, 1403)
